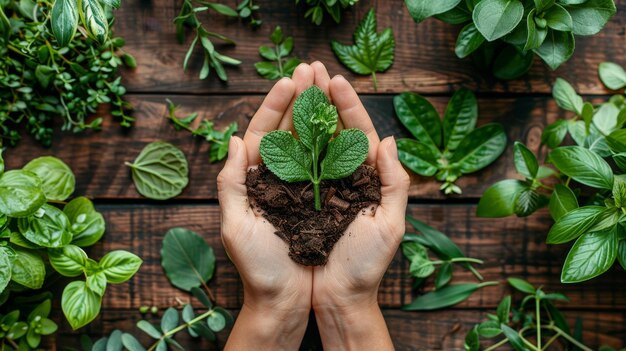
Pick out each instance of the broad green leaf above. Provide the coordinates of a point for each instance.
(479, 148)
(591, 255)
(468, 41)
(160, 171)
(6, 263)
(489, 329)
(49, 227)
(64, 19)
(619, 191)
(344, 154)
(499, 199)
(609, 217)
(562, 201)
(612, 75)
(69, 261)
(553, 134)
(525, 161)
(459, 119)
(119, 266)
(514, 339)
(28, 268)
(417, 157)
(421, 266)
(449, 295)
(457, 15)
(187, 259)
(574, 224)
(202, 297)
(80, 304)
(422, 9)
(420, 117)
(169, 320)
(522, 285)
(566, 97)
(472, 342)
(620, 160)
(542, 5)
(605, 118)
(131, 343)
(285, 156)
(496, 18)
(621, 253)
(512, 63)
(222, 9)
(557, 48)
(528, 201)
(216, 322)
(617, 140)
(304, 108)
(57, 179)
(583, 165)
(504, 310)
(94, 19)
(97, 283)
(86, 224)
(558, 18)
(267, 70)
(20, 193)
(149, 329)
(535, 35)
(591, 16)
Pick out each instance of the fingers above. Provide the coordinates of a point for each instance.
(231, 182)
(394, 186)
(268, 117)
(303, 78)
(353, 114)
(322, 79)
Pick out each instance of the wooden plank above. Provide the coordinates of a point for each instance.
(440, 330)
(98, 158)
(510, 248)
(424, 57)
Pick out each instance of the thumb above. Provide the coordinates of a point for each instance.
(231, 182)
(394, 181)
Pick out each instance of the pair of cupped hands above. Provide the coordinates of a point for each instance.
(279, 293)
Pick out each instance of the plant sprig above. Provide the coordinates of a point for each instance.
(246, 10)
(284, 66)
(331, 7)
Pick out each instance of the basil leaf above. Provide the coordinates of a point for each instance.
(528, 201)
(421, 119)
(621, 253)
(422, 9)
(97, 283)
(417, 157)
(344, 154)
(566, 97)
(535, 34)
(617, 140)
(64, 20)
(95, 20)
(574, 224)
(583, 165)
(558, 18)
(525, 161)
(591, 16)
(557, 48)
(57, 179)
(612, 75)
(496, 18)
(504, 310)
(186, 258)
(605, 118)
(591, 255)
(447, 296)
(285, 156)
(460, 118)
(80, 304)
(620, 160)
(499, 199)
(6, 263)
(553, 134)
(28, 268)
(20, 193)
(306, 106)
(160, 171)
(69, 261)
(49, 227)
(86, 224)
(479, 148)
(119, 266)
(562, 201)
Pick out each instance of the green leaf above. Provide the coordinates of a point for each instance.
(131, 343)
(111, 3)
(417, 157)
(420, 118)
(605, 118)
(504, 310)
(69, 261)
(6, 262)
(557, 48)
(344, 154)
(49, 227)
(553, 134)
(421, 266)
(449, 295)
(591, 255)
(20, 193)
(304, 108)
(612, 75)
(97, 283)
(119, 266)
(566, 97)
(86, 224)
(619, 192)
(216, 322)
(94, 19)
(202, 297)
(285, 156)
(525, 161)
(160, 171)
(149, 329)
(459, 119)
(489, 329)
(371, 53)
(444, 275)
(472, 342)
(522, 285)
(528, 201)
(496, 18)
(558, 18)
(591, 16)
(479, 148)
(562, 201)
(499, 199)
(80, 304)
(514, 338)
(222, 9)
(574, 224)
(621, 253)
(422, 9)
(542, 5)
(186, 258)
(468, 41)
(583, 165)
(457, 15)
(64, 19)
(511, 63)
(169, 320)
(536, 35)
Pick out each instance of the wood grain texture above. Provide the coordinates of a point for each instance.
(97, 158)
(424, 56)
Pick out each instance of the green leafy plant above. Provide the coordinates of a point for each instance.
(37, 239)
(189, 263)
(536, 316)
(43, 79)
(188, 16)
(371, 52)
(26, 334)
(505, 34)
(450, 149)
(66, 13)
(246, 10)
(218, 140)
(415, 248)
(284, 66)
(595, 223)
(331, 7)
(160, 171)
(314, 156)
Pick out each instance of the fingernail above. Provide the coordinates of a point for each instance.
(392, 148)
(233, 146)
(339, 76)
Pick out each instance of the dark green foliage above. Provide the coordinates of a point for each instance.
(317, 8)
(246, 10)
(20, 330)
(284, 66)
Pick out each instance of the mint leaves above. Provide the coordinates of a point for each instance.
(284, 66)
(371, 53)
(314, 156)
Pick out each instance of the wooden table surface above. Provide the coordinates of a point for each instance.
(425, 63)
